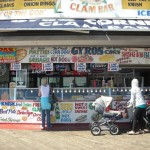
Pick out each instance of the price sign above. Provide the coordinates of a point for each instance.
(47, 66)
(81, 67)
(15, 66)
(113, 67)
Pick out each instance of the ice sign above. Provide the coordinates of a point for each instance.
(47, 66)
(113, 67)
(16, 66)
(81, 67)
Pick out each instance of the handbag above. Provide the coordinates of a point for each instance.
(52, 100)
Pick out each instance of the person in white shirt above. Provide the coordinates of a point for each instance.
(44, 93)
(139, 104)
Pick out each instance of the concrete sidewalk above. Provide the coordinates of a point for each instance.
(11, 139)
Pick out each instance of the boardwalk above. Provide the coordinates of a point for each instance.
(70, 140)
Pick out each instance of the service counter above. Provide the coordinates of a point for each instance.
(22, 105)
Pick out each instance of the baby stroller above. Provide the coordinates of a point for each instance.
(107, 117)
(147, 118)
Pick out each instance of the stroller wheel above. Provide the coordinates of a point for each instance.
(114, 130)
(95, 130)
(92, 124)
(147, 126)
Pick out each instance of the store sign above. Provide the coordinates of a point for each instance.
(81, 67)
(62, 56)
(35, 9)
(64, 112)
(104, 8)
(126, 25)
(17, 9)
(47, 66)
(7, 55)
(36, 68)
(16, 66)
(136, 4)
(75, 24)
(113, 67)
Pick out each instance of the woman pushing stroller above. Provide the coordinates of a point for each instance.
(138, 103)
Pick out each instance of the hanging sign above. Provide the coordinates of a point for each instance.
(47, 66)
(81, 67)
(113, 67)
(15, 66)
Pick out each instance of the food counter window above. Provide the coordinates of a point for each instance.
(81, 81)
(67, 81)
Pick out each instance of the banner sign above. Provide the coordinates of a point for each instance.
(83, 54)
(76, 24)
(34, 9)
(75, 54)
(64, 112)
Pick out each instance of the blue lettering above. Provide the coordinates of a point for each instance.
(87, 50)
(143, 12)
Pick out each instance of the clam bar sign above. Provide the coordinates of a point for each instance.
(76, 24)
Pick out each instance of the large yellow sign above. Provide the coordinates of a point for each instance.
(26, 4)
(136, 4)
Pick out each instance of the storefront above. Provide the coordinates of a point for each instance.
(82, 59)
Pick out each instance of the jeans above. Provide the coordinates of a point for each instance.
(138, 116)
(46, 112)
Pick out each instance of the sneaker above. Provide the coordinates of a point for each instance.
(146, 130)
(49, 127)
(131, 133)
(141, 131)
(41, 127)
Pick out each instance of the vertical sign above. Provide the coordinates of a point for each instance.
(113, 67)
(47, 66)
(15, 66)
(81, 67)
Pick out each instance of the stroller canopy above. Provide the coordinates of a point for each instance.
(104, 101)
